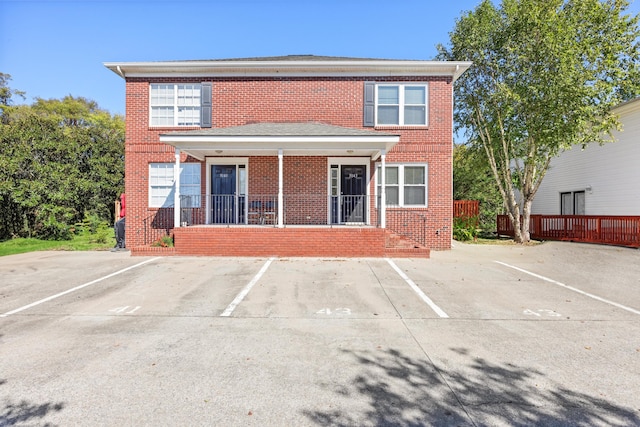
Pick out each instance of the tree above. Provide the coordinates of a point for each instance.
(473, 180)
(545, 76)
(60, 160)
(6, 94)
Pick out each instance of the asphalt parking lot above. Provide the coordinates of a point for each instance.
(476, 336)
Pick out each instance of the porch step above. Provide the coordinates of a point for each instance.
(401, 247)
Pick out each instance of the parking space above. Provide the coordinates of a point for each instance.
(473, 336)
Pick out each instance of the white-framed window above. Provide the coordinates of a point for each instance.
(402, 104)
(161, 189)
(405, 184)
(174, 104)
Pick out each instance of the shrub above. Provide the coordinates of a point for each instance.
(163, 242)
(465, 228)
(52, 223)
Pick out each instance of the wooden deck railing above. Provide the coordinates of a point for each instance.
(466, 208)
(609, 230)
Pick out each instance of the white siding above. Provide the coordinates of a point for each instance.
(611, 170)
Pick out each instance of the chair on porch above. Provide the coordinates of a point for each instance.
(254, 215)
(269, 213)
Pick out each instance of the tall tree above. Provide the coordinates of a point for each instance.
(59, 160)
(545, 76)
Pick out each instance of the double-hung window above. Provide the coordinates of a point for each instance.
(401, 104)
(405, 185)
(175, 104)
(161, 180)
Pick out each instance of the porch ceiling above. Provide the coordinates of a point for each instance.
(295, 139)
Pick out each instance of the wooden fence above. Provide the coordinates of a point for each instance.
(609, 230)
(466, 208)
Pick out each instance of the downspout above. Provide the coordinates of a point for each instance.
(383, 190)
(280, 193)
(176, 193)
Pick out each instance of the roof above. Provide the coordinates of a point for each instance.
(289, 66)
(269, 139)
(287, 129)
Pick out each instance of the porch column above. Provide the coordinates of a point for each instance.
(176, 193)
(280, 194)
(383, 190)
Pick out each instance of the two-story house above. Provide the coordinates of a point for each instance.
(290, 156)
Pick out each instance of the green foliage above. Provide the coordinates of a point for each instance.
(465, 229)
(53, 223)
(472, 180)
(102, 239)
(545, 76)
(58, 160)
(163, 242)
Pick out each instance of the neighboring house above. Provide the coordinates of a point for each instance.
(597, 180)
(294, 155)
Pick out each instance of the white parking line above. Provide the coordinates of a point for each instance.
(571, 288)
(52, 297)
(417, 290)
(243, 293)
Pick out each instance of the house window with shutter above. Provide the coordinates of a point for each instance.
(388, 104)
(175, 105)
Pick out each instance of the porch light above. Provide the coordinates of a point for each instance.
(588, 189)
(218, 151)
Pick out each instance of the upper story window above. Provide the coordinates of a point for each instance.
(401, 105)
(175, 104)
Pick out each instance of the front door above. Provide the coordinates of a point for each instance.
(223, 194)
(353, 190)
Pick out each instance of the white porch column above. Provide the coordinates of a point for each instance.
(280, 193)
(383, 190)
(176, 193)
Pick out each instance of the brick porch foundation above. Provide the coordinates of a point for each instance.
(284, 242)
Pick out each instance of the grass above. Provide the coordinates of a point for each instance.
(102, 239)
(491, 238)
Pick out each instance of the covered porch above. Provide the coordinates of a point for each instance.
(283, 189)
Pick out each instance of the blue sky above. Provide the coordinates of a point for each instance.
(54, 48)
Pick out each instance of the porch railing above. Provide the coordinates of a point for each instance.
(298, 209)
(611, 230)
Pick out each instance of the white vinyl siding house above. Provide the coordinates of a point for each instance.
(599, 180)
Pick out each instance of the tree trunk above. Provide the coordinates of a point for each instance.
(526, 215)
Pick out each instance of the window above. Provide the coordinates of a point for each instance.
(175, 104)
(401, 105)
(161, 192)
(406, 185)
(572, 203)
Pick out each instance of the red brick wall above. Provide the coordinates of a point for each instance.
(336, 101)
(269, 241)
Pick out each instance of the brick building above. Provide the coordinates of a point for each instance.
(290, 156)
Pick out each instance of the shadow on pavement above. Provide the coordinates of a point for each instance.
(25, 412)
(396, 390)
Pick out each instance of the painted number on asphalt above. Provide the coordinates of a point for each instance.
(542, 313)
(336, 311)
(127, 309)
